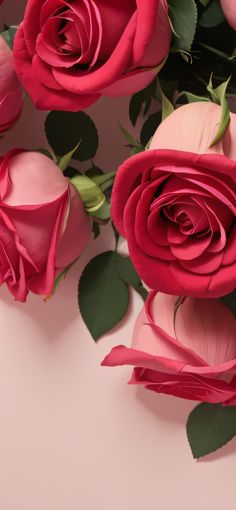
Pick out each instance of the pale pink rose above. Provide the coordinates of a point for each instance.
(194, 360)
(69, 53)
(43, 224)
(229, 8)
(176, 205)
(11, 94)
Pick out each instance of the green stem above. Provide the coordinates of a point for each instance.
(107, 185)
(215, 51)
(100, 180)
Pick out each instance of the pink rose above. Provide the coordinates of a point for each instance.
(176, 205)
(43, 224)
(195, 360)
(229, 8)
(69, 53)
(11, 94)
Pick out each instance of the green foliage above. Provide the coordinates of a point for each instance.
(230, 301)
(128, 274)
(133, 144)
(213, 14)
(218, 96)
(90, 192)
(9, 35)
(204, 2)
(103, 212)
(103, 296)
(149, 127)
(62, 276)
(64, 161)
(96, 230)
(183, 18)
(67, 130)
(209, 427)
(103, 293)
(191, 98)
(166, 106)
(142, 99)
(94, 171)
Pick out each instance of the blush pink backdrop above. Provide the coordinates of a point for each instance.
(73, 435)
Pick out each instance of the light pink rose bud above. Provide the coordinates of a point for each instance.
(11, 94)
(229, 8)
(195, 358)
(43, 225)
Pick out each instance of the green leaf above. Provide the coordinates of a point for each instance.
(64, 161)
(213, 15)
(230, 301)
(140, 99)
(64, 130)
(101, 179)
(167, 107)
(204, 2)
(45, 152)
(96, 230)
(133, 144)
(219, 96)
(94, 171)
(103, 296)
(191, 98)
(137, 149)
(128, 274)
(135, 106)
(209, 427)
(149, 127)
(62, 275)
(71, 171)
(132, 141)
(9, 35)
(183, 17)
(116, 234)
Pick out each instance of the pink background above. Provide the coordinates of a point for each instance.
(73, 435)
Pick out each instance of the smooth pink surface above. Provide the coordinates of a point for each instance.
(74, 436)
(204, 120)
(192, 358)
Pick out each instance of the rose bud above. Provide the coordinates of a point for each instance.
(43, 227)
(193, 357)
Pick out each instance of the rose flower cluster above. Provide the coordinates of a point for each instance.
(173, 200)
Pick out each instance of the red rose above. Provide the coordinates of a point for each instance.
(177, 209)
(11, 93)
(68, 53)
(195, 359)
(43, 225)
